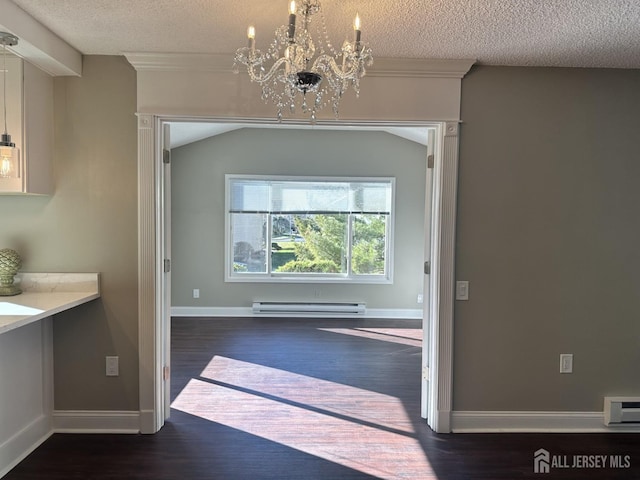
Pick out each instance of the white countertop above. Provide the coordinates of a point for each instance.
(45, 295)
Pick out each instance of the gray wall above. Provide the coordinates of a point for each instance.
(198, 210)
(89, 225)
(548, 236)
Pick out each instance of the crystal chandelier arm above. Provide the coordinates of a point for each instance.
(254, 61)
(259, 75)
(326, 63)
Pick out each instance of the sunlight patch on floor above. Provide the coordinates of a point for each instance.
(357, 403)
(371, 450)
(404, 336)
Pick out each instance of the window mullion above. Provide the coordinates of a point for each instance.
(388, 245)
(349, 244)
(267, 249)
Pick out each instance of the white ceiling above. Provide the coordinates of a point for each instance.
(572, 33)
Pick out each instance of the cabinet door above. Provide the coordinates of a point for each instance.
(38, 131)
(14, 96)
(30, 124)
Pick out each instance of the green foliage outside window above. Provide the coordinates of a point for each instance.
(367, 256)
(324, 245)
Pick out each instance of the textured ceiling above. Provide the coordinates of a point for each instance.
(574, 33)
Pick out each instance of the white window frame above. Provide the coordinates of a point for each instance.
(280, 277)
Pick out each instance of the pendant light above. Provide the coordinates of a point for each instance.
(9, 167)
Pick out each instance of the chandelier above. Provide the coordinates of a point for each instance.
(298, 71)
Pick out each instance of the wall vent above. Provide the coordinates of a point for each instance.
(622, 411)
(309, 309)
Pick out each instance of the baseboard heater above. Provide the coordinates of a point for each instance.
(622, 411)
(315, 309)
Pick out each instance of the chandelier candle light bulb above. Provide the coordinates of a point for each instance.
(356, 28)
(251, 35)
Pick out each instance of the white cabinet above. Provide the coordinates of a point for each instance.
(30, 124)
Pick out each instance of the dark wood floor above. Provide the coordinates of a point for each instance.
(293, 399)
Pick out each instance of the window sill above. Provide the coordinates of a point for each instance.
(309, 279)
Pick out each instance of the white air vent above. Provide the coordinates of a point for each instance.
(622, 411)
(310, 309)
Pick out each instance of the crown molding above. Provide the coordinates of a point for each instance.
(223, 63)
(199, 62)
(420, 67)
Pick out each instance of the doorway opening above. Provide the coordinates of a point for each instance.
(431, 294)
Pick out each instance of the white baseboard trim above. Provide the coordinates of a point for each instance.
(529, 422)
(16, 448)
(397, 313)
(211, 312)
(148, 422)
(95, 421)
(442, 423)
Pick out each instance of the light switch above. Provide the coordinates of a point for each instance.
(566, 363)
(462, 290)
(112, 366)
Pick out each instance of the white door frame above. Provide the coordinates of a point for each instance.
(426, 287)
(442, 278)
(152, 287)
(165, 252)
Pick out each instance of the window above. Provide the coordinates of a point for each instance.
(309, 229)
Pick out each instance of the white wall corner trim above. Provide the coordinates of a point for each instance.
(395, 313)
(20, 445)
(445, 181)
(529, 422)
(95, 421)
(149, 343)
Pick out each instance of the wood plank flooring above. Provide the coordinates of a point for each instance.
(305, 399)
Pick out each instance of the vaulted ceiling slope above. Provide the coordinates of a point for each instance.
(571, 33)
(183, 133)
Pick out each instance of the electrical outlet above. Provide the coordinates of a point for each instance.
(566, 363)
(420, 298)
(112, 366)
(196, 293)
